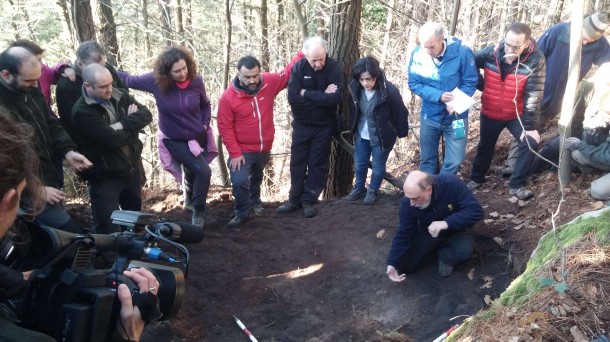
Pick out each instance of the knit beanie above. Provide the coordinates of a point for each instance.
(595, 25)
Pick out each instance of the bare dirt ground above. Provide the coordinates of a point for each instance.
(323, 279)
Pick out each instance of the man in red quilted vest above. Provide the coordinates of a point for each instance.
(513, 76)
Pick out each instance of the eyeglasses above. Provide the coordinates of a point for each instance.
(514, 47)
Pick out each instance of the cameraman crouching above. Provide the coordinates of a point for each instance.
(18, 168)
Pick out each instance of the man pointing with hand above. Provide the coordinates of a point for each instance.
(435, 214)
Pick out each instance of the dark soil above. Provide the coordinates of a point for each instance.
(323, 279)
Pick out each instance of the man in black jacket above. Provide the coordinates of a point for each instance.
(68, 92)
(20, 95)
(108, 122)
(314, 91)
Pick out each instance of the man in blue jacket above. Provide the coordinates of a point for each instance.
(438, 66)
(436, 213)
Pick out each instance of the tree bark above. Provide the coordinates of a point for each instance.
(224, 173)
(300, 18)
(82, 17)
(570, 92)
(108, 36)
(344, 40)
(166, 23)
(66, 23)
(179, 23)
(386, 34)
(264, 36)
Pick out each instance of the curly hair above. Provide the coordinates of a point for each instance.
(165, 62)
(19, 161)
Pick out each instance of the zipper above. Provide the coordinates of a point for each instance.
(260, 124)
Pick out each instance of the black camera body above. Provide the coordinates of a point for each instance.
(72, 300)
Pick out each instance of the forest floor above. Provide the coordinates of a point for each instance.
(288, 278)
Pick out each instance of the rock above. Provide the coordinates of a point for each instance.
(513, 199)
(487, 299)
(494, 214)
(488, 221)
(598, 205)
(577, 334)
(518, 227)
(381, 234)
(522, 203)
(471, 274)
(498, 240)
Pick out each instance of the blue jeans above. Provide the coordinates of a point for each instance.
(362, 153)
(246, 182)
(490, 131)
(199, 173)
(429, 136)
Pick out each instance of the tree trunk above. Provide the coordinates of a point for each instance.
(82, 17)
(300, 18)
(344, 40)
(108, 37)
(179, 23)
(264, 36)
(386, 34)
(166, 22)
(570, 92)
(224, 173)
(144, 5)
(66, 23)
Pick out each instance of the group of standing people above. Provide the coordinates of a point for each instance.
(522, 83)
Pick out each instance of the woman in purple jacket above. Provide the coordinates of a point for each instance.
(184, 119)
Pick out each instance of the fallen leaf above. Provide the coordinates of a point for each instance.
(513, 199)
(485, 286)
(494, 214)
(381, 234)
(518, 227)
(522, 203)
(498, 240)
(487, 278)
(487, 299)
(598, 205)
(488, 221)
(471, 274)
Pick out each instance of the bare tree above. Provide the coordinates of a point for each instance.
(82, 18)
(108, 36)
(344, 39)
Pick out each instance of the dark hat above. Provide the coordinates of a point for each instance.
(595, 25)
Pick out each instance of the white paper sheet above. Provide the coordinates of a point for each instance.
(461, 102)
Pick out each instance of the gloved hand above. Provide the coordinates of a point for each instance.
(571, 143)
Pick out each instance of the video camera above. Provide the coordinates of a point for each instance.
(72, 300)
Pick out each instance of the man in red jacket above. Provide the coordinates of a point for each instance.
(514, 72)
(245, 124)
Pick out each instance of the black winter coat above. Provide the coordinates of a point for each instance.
(50, 139)
(113, 153)
(391, 114)
(315, 107)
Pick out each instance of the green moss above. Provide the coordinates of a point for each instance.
(527, 285)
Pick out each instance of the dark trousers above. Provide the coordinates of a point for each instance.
(197, 172)
(246, 182)
(309, 161)
(490, 131)
(550, 151)
(56, 216)
(453, 249)
(108, 195)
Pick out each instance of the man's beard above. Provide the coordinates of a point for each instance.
(15, 85)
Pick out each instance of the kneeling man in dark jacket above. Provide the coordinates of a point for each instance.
(107, 122)
(436, 213)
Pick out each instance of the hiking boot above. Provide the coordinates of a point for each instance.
(522, 193)
(288, 208)
(444, 270)
(370, 197)
(508, 170)
(257, 209)
(472, 185)
(308, 211)
(236, 221)
(356, 194)
(198, 218)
